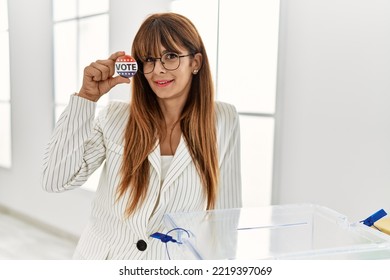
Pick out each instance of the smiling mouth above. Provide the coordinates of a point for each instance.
(163, 83)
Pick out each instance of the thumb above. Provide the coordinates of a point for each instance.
(119, 80)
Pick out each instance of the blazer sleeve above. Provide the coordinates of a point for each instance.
(76, 148)
(229, 195)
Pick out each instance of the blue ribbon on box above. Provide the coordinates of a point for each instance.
(374, 217)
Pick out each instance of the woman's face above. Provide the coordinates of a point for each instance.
(173, 84)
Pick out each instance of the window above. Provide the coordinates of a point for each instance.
(81, 35)
(242, 43)
(5, 96)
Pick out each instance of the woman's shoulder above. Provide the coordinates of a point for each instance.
(115, 107)
(118, 105)
(114, 111)
(227, 118)
(225, 111)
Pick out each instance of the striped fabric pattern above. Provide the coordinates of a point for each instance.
(81, 143)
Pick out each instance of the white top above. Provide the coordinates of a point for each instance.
(165, 163)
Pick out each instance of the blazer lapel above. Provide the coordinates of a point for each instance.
(179, 162)
(155, 159)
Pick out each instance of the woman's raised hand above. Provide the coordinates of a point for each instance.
(98, 78)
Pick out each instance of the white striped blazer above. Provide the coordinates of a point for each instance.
(80, 144)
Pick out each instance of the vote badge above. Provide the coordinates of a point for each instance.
(126, 66)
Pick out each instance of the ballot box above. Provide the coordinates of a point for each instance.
(302, 231)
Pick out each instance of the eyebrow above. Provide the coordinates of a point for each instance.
(162, 53)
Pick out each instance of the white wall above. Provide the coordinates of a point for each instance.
(333, 109)
(32, 119)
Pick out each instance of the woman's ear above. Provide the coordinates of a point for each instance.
(197, 62)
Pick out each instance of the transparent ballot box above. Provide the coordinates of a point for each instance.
(274, 232)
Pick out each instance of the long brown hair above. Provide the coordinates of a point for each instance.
(197, 121)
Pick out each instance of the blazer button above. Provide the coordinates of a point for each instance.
(141, 245)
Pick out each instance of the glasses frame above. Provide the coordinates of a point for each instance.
(162, 62)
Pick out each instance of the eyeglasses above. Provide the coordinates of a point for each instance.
(170, 61)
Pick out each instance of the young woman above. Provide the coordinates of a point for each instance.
(171, 149)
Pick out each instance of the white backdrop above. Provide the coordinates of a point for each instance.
(333, 117)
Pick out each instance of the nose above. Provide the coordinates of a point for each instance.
(159, 66)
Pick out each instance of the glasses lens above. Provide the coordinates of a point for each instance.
(170, 61)
(148, 65)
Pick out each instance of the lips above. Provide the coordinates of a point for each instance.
(163, 83)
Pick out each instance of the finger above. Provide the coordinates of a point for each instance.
(109, 64)
(92, 72)
(119, 80)
(104, 67)
(115, 55)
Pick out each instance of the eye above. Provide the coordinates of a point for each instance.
(170, 56)
(149, 59)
